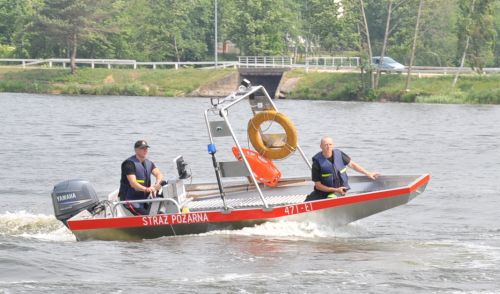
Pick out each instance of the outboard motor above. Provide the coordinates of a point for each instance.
(71, 197)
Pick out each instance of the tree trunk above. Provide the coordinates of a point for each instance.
(465, 50)
(176, 50)
(407, 87)
(369, 43)
(384, 45)
(73, 53)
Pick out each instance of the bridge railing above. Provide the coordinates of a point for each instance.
(332, 62)
(265, 61)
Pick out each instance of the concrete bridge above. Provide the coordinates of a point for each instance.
(270, 78)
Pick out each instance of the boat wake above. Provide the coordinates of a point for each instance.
(299, 230)
(34, 226)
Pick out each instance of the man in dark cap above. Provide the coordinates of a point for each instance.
(135, 182)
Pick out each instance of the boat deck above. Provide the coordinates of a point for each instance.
(291, 191)
(244, 201)
(246, 196)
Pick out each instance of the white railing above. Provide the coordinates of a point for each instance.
(109, 63)
(265, 61)
(332, 62)
(243, 61)
(17, 60)
(311, 63)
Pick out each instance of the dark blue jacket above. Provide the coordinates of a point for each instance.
(143, 177)
(333, 174)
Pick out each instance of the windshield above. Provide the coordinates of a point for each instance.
(376, 59)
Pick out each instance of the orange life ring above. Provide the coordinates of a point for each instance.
(256, 138)
(263, 169)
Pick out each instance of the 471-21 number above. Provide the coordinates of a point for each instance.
(298, 208)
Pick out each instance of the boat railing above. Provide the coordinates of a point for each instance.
(217, 128)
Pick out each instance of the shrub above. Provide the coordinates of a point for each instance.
(348, 93)
(465, 86)
(445, 99)
(489, 96)
(408, 97)
(170, 93)
(153, 90)
(371, 95)
(71, 89)
(108, 90)
(7, 51)
(22, 87)
(134, 90)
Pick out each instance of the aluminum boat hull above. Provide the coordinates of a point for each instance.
(368, 198)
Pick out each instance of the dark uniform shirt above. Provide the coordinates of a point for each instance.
(128, 168)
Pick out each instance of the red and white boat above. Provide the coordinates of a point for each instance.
(225, 205)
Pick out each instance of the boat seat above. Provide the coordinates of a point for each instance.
(122, 211)
(119, 210)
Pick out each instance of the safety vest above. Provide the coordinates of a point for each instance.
(142, 176)
(333, 174)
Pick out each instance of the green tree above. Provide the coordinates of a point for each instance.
(157, 30)
(437, 42)
(414, 46)
(396, 12)
(333, 24)
(8, 14)
(168, 30)
(366, 52)
(261, 27)
(226, 20)
(14, 15)
(391, 34)
(69, 22)
(496, 7)
(476, 29)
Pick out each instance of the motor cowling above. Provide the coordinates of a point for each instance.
(71, 197)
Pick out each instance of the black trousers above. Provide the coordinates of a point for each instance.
(316, 195)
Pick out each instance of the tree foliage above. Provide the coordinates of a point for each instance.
(67, 22)
(332, 24)
(437, 44)
(180, 30)
(476, 21)
(262, 27)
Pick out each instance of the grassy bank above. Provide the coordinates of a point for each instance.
(88, 81)
(312, 85)
(433, 89)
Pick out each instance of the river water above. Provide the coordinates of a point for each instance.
(447, 240)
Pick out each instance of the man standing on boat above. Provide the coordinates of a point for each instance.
(329, 171)
(135, 182)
